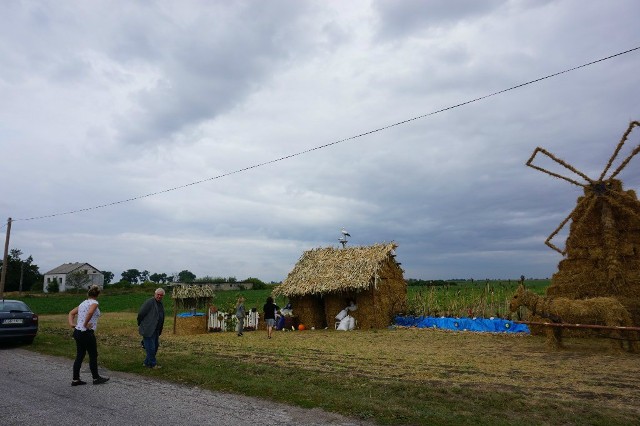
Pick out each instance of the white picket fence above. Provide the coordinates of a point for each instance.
(222, 321)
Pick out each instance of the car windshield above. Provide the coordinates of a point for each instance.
(13, 305)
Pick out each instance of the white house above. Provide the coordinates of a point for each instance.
(61, 272)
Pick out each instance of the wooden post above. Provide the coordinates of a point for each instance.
(5, 265)
(21, 276)
(590, 326)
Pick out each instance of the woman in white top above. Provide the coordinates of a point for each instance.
(87, 314)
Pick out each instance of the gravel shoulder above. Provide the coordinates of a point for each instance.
(37, 390)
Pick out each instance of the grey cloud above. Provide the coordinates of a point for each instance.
(398, 19)
(199, 81)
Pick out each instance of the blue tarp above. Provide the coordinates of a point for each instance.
(190, 314)
(464, 324)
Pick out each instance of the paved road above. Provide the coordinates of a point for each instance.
(36, 389)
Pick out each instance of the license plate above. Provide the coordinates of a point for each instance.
(13, 321)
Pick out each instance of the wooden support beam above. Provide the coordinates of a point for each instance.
(591, 326)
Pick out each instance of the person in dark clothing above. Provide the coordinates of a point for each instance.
(270, 309)
(150, 324)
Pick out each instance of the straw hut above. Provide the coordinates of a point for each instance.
(324, 280)
(188, 300)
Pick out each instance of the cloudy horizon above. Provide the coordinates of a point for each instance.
(104, 104)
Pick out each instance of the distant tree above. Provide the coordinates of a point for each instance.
(144, 276)
(186, 276)
(205, 279)
(18, 269)
(232, 280)
(78, 280)
(108, 276)
(158, 278)
(131, 275)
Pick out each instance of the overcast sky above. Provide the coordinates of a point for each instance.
(103, 102)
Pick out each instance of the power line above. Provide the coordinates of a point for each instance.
(286, 157)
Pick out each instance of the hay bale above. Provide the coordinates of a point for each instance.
(309, 310)
(186, 326)
(609, 235)
(605, 311)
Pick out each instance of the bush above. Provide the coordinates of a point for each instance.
(257, 284)
(53, 287)
(121, 284)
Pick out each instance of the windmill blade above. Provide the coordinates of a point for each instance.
(617, 150)
(591, 201)
(559, 161)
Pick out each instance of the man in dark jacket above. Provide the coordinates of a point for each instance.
(150, 323)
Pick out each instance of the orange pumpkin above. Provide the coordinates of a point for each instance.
(301, 327)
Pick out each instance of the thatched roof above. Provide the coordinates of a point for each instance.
(192, 291)
(329, 269)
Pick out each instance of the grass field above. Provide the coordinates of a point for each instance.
(482, 299)
(391, 376)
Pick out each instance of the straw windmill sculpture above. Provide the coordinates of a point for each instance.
(602, 251)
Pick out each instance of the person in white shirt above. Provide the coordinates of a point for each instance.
(84, 321)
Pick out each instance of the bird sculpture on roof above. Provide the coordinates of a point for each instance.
(345, 233)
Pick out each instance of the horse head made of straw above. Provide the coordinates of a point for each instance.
(522, 297)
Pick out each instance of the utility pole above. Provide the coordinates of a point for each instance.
(4, 260)
(21, 275)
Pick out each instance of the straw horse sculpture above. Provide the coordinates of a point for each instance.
(606, 311)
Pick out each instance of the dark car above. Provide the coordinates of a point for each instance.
(17, 322)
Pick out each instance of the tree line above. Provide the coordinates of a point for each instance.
(24, 275)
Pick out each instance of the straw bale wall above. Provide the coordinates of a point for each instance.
(603, 254)
(185, 326)
(309, 310)
(376, 306)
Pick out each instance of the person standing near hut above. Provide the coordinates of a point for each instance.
(240, 314)
(86, 321)
(150, 324)
(270, 310)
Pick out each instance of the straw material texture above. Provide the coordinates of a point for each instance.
(325, 280)
(603, 251)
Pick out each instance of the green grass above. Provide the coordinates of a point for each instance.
(396, 377)
(393, 377)
(483, 299)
